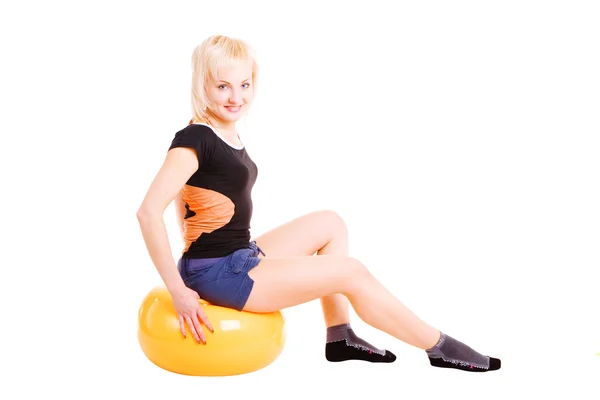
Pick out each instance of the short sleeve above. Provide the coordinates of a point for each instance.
(197, 137)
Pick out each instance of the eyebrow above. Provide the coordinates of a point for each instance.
(245, 80)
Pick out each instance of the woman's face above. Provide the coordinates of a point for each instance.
(231, 92)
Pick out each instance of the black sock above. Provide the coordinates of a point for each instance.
(343, 344)
(450, 353)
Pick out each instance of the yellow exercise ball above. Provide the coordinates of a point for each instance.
(242, 341)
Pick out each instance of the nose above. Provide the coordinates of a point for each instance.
(236, 96)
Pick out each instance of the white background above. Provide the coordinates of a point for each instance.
(459, 140)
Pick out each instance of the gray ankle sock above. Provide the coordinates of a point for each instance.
(344, 332)
(452, 351)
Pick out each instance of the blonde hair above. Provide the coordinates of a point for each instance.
(213, 53)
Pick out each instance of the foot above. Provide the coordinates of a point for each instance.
(343, 344)
(450, 353)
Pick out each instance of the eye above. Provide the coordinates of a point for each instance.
(222, 87)
(246, 85)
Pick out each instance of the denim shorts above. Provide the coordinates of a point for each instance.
(222, 281)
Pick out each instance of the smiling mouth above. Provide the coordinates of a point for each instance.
(234, 108)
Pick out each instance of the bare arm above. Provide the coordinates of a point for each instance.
(180, 163)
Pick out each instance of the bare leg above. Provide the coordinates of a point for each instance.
(321, 232)
(291, 275)
(284, 282)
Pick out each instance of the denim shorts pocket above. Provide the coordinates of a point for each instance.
(238, 260)
(204, 275)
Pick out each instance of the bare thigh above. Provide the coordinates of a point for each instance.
(303, 236)
(282, 282)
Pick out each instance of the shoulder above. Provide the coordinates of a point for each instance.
(194, 135)
(198, 130)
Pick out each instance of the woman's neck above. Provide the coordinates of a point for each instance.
(228, 128)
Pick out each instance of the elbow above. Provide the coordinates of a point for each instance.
(144, 214)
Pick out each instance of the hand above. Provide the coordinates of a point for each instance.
(189, 310)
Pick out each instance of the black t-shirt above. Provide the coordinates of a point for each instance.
(217, 196)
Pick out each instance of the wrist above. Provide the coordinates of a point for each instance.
(175, 286)
(176, 289)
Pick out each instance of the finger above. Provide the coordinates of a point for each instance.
(192, 328)
(205, 320)
(182, 326)
(199, 329)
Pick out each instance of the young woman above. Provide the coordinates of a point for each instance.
(209, 174)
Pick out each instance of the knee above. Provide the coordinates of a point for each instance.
(334, 221)
(355, 273)
(357, 267)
